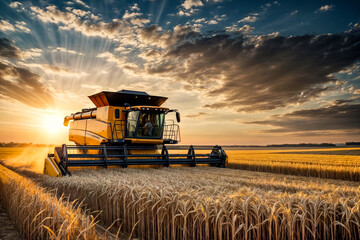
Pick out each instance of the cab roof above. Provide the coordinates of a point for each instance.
(134, 98)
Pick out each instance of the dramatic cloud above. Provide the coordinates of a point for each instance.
(22, 26)
(24, 86)
(216, 19)
(135, 7)
(325, 8)
(197, 24)
(253, 17)
(31, 53)
(81, 3)
(259, 73)
(20, 83)
(188, 4)
(189, 7)
(153, 35)
(80, 12)
(197, 115)
(90, 27)
(52, 14)
(6, 26)
(244, 72)
(15, 4)
(341, 116)
(131, 14)
(7, 50)
(200, 20)
(248, 19)
(130, 30)
(246, 29)
(19, 25)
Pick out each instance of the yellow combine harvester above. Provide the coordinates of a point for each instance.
(126, 128)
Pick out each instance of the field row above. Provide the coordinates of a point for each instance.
(193, 203)
(323, 163)
(213, 203)
(40, 215)
(311, 164)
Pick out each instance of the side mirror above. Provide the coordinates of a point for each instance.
(177, 116)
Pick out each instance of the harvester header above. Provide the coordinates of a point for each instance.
(125, 128)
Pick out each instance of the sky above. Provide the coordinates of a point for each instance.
(239, 72)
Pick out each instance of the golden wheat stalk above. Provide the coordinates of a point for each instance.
(210, 203)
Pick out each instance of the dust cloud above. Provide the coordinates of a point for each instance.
(29, 158)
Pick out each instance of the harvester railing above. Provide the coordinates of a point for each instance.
(124, 156)
(172, 131)
(118, 130)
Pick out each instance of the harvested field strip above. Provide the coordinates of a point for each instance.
(39, 215)
(212, 203)
(324, 166)
(7, 227)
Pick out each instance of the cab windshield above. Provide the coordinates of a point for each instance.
(145, 124)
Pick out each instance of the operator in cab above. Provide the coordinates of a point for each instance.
(148, 127)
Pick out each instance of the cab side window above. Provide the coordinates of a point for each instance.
(117, 113)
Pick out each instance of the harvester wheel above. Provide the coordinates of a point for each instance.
(218, 152)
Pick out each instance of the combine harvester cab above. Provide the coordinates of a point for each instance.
(127, 128)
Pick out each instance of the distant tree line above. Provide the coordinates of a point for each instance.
(13, 144)
(303, 145)
(352, 143)
(284, 145)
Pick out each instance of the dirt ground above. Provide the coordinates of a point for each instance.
(7, 228)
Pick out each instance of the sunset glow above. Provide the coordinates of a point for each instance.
(53, 123)
(239, 73)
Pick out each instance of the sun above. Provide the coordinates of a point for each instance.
(52, 122)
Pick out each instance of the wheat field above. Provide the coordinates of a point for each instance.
(40, 215)
(294, 194)
(211, 203)
(341, 163)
